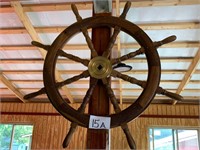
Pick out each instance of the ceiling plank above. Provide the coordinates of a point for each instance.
(148, 3)
(31, 47)
(189, 73)
(88, 5)
(57, 7)
(6, 9)
(10, 86)
(79, 71)
(115, 89)
(29, 27)
(114, 81)
(168, 26)
(67, 61)
(183, 44)
(148, 26)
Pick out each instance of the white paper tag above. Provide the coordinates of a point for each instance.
(99, 122)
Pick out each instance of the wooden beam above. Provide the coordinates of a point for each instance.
(17, 47)
(115, 89)
(115, 81)
(147, 26)
(88, 5)
(57, 7)
(67, 61)
(79, 71)
(184, 44)
(12, 87)
(130, 99)
(150, 3)
(6, 9)
(189, 73)
(170, 26)
(29, 27)
(31, 47)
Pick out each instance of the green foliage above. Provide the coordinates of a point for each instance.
(21, 135)
(5, 135)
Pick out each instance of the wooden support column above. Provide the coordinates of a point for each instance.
(99, 102)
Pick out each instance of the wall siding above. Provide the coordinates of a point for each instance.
(50, 130)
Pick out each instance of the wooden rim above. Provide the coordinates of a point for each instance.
(133, 110)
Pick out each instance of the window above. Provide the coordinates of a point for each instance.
(173, 139)
(15, 137)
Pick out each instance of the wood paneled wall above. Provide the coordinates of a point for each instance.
(50, 128)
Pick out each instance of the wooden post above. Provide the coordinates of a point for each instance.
(99, 103)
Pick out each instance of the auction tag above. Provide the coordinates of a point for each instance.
(99, 122)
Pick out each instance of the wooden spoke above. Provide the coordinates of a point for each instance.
(128, 78)
(117, 109)
(38, 44)
(165, 41)
(142, 84)
(85, 62)
(116, 31)
(126, 9)
(112, 42)
(89, 42)
(34, 94)
(62, 53)
(84, 31)
(142, 50)
(175, 96)
(81, 109)
(84, 74)
(127, 56)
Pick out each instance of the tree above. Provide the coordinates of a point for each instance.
(21, 135)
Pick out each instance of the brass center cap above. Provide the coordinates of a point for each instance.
(99, 67)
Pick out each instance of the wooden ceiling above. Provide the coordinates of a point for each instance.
(21, 63)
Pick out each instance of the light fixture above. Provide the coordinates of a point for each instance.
(121, 67)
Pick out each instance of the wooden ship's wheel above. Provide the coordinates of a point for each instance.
(101, 68)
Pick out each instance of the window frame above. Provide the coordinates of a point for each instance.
(175, 136)
(13, 129)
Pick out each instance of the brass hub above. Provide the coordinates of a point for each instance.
(99, 67)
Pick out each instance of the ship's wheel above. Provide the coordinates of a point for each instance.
(101, 68)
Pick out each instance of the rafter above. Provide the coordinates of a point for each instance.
(11, 87)
(79, 71)
(189, 73)
(183, 44)
(149, 3)
(88, 5)
(31, 47)
(29, 27)
(115, 81)
(115, 89)
(67, 61)
(148, 26)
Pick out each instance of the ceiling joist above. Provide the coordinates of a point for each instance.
(88, 5)
(12, 87)
(152, 26)
(86, 81)
(32, 72)
(189, 73)
(67, 61)
(182, 44)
